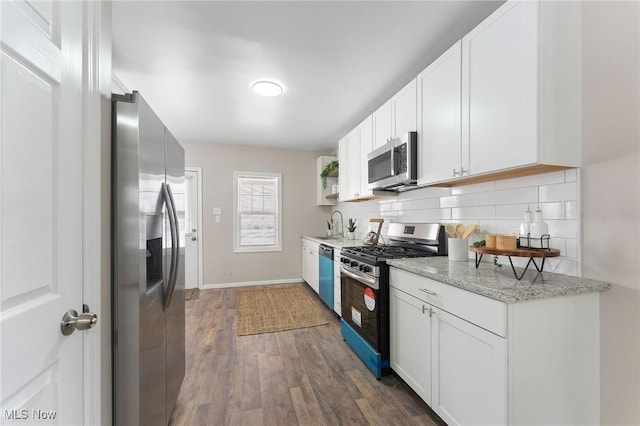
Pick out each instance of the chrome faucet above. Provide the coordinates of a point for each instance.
(341, 222)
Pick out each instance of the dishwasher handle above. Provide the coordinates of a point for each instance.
(326, 251)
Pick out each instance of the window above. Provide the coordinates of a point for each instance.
(257, 220)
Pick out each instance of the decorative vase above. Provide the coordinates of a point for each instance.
(351, 235)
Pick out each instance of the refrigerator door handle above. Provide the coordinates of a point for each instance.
(168, 199)
(175, 246)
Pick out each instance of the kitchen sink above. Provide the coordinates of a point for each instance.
(326, 237)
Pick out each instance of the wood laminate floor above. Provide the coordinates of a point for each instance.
(306, 376)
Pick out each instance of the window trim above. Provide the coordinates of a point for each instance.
(236, 214)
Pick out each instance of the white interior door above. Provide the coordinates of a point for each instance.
(193, 224)
(41, 211)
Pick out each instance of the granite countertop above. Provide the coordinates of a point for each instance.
(499, 283)
(336, 242)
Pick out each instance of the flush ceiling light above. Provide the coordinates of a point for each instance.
(267, 88)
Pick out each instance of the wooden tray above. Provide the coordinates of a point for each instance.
(521, 252)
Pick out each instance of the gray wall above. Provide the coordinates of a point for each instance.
(301, 216)
(611, 196)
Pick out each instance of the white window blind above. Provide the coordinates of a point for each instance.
(257, 220)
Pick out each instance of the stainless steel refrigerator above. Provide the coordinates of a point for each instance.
(148, 265)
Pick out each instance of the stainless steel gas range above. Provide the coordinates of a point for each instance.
(364, 277)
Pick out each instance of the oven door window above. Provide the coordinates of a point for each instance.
(360, 307)
(380, 167)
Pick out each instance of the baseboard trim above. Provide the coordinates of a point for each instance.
(251, 283)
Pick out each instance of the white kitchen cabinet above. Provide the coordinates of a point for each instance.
(405, 110)
(521, 88)
(470, 372)
(337, 287)
(439, 124)
(322, 193)
(382, 121)
(353, 150)
(365, 130)
(395, 117)
(490, 362)
(410, 346)
(311, 263)
(343, 179)
(354, 164)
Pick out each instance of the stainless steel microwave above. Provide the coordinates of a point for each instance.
(394, 165)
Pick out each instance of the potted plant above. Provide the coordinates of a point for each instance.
(351, 229)
(326, 171)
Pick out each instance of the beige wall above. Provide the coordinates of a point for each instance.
(611, 196)
(301, 216)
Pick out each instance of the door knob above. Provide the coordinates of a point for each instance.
(72, 321)
(193, 238)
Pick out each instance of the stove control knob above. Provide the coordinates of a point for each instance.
(366, 268)
(344, 260)
(354, 263)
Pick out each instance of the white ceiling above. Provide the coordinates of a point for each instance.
(194, 62)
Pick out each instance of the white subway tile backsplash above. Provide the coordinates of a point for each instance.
(572, 248)
(551, 210)
(496, 207)
(469, 213)
(571, 210)
(563, 228)
(467, 200)
(427, 215)
(511, 211)
(559, 192)
(571, 175)
(417, 204)
(471, 189)
(431, 192)
(512, 196)
(529, 181)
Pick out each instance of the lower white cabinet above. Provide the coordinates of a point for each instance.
(410, 346)
(311, 263)
(479, 361)
(456, 367)
(469, 364)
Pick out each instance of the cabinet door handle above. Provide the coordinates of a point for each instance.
(423, 309)
(455, 173)
(433, 293)
(463, 171)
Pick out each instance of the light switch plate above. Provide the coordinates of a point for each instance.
(217, 210)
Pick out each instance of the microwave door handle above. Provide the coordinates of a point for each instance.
(393, 166)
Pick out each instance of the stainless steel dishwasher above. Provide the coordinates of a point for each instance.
(326, 274)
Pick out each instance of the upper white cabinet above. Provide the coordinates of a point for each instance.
(507, 97)
(366, 146)
(353, 150)
(382, 120)
(396, 117)
(521, 88)
(405, 110)
(343, 160)
(440, 108)
(354, 164)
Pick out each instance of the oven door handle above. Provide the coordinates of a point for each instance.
(368, 281)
